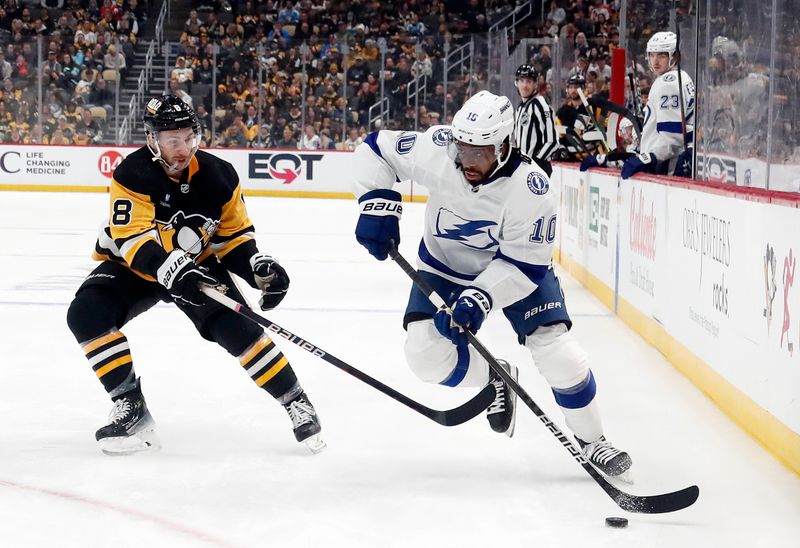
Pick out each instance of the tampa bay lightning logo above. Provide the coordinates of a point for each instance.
(538, 184)
(405, 144)
(441, 137)
(474, 234)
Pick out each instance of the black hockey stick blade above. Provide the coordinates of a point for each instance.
(641, 504)
(655, 504)
(448, 417)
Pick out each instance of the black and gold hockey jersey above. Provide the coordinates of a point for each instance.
(151, 214)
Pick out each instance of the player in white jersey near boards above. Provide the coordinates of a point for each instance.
(667, 131)
(487, 245)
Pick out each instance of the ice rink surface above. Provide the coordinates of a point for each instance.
(230, 472)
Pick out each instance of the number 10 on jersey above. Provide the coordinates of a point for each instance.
(538, 227)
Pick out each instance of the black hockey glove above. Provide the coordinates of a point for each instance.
(181, 276)
(271, 278)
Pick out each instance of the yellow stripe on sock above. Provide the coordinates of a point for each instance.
(123, 360)
(100, 341)
(257, 347)
(272, 371)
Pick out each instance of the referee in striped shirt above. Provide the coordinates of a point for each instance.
(534, 124)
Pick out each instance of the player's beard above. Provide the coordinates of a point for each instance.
(473, 176)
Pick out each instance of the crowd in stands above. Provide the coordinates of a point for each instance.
(75, 50)
(264, 92)
(266, 88)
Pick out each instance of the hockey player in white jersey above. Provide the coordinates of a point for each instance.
(662, 148)
(666, 120)
(490, 224)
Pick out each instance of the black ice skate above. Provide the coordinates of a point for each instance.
(130, 427)
(305, 422)
(606, 458)
(502, 413)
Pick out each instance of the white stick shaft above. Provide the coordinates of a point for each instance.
(221, 298)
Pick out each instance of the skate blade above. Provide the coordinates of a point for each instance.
(315, 444)
(145, 440)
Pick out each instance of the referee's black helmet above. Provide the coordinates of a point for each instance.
(526, 71)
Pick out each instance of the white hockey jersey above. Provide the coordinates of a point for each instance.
(662, 132)
(497, 236)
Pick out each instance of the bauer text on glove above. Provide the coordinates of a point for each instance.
(182, 277)
(378, 224)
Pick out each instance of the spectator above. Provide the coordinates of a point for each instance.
(176, 90)
(353, 140)
(422, 65)
(113, 60)
(233, 136)
(6, 69)
(182, 74)
(325, 140)
(59, 138)
(287, 141)
(85, 86)
(102, 96)
(264, 137)
(192, 20)
(310, 139)
(127, 26)
(93, 127)
(81, 136)
(204, 73)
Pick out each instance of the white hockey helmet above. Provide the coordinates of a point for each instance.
(727, 49)
(663, 42)
(485, 119)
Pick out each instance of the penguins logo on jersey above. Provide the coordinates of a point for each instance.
(188, 232)
(474, 234)
(538, 184)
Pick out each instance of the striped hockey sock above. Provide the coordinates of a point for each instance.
(268, 367)
(110, 358)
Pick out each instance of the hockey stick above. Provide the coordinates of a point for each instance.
(646, 504)
(636, 95)
(591, 115)
(449, 417)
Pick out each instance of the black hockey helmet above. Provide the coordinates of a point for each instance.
(526, 71)
(576, 80)
(166, 113)
(169, 112)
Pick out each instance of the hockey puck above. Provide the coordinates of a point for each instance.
(617, 523)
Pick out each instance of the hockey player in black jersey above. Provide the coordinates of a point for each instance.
(177, 219)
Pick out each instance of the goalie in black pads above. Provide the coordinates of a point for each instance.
(177, 219)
